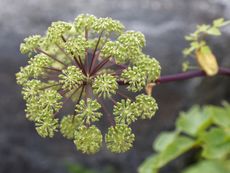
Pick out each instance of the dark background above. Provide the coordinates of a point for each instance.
(164, 23)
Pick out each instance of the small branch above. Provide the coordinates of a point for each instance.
(108, 115)
(82, 66)
(123, 95)
(52, 68)
(69, 97)
(86, 51)
(114, 101)
(51, 56)
(185, 76)
(64, 52)
(189, 75)
(94, 52)
(63, 38)
(78, 63)
(46, 87)
(100, 65)
(80, 96)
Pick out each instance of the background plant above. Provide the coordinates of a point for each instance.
(206, 129)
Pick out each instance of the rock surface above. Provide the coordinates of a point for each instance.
(164, 23)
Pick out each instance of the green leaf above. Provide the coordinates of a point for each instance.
(216, 143)
(177, 147)
(202, 28)
(220, 116)
(149, 165)
(193, 122)
(210, 166)
(226, 23)
(77, 168)
(163, 140)
(218, 22)
(195, 44)
(214, 31)
(189, 38)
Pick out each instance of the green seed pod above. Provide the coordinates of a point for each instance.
(119, 138)
(88, 139)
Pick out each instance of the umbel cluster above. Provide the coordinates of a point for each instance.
(86, 64)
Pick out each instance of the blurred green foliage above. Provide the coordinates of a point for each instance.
(78, 168)
(206, 128)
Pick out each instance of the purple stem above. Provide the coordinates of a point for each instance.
(186, 75)
(189, 75)
(94, 52)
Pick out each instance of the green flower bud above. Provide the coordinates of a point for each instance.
(34, 111)
(109, 49)
(69, 125)
(135, 77)
(150, 66)
(108, 25)
(105, 85)
(132, 39)
(46, 126)
(56, 31)
(32, 89)
(43, 105)
(49, 100)
(30, 43)
(125, 112)
(119, 138)
(34, 69)
(88, 110)
(72, 77)
(84, 21)
(91, 43)
(146, 105)
(23, 75)
(76, 46)
(88, 139)
(38, 63)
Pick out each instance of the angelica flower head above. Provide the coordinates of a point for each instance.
(85, 62)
